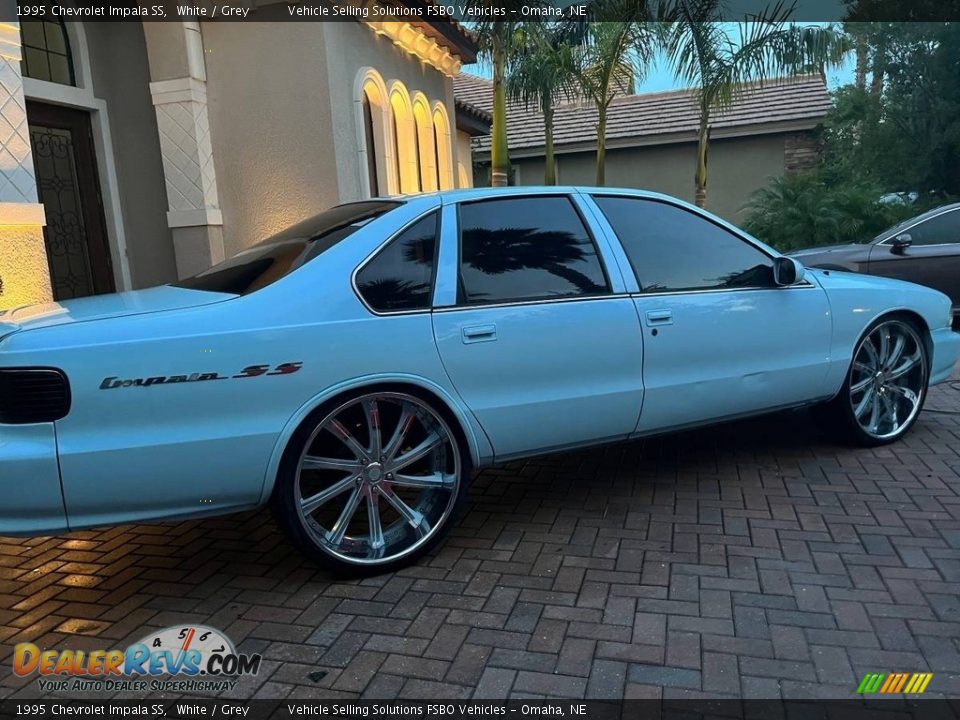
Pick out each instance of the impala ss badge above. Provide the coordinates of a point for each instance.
(251, 371)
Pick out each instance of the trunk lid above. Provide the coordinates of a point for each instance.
(103, 307)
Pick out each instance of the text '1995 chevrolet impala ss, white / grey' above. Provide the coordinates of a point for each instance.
(353, 370)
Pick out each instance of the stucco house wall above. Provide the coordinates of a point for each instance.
(271, 128)
(121, 77)
(294, 149)
(737, 167)
(350, 49)
(209, 137)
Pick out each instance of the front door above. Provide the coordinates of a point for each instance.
(720, 338)
(65, 164)
(932, 259)
(539, 346)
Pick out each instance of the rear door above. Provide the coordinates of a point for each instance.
(933, 258)
(538, 335)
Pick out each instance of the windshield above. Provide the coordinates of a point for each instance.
(894, 230)
(281, 254)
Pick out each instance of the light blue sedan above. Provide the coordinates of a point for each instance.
(354, 370)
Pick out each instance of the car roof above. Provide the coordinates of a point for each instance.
(485, 193)
(477, 193)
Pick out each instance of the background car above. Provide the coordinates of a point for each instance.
(924, 249)
(352, 370)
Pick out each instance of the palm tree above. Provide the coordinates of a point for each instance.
(546, 70)
(498, 41)
(705, 56)
(615, 56)
(508, 249)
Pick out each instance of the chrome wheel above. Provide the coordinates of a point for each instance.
(377, 479)
(888, 379)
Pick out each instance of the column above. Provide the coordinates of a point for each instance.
(179, 92)
(24, 272)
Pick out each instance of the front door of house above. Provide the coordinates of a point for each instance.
(67, 182)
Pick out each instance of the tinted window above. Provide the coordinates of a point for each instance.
(400, 277)
(937, 231)
(673, 249)
(525, 249)
(281, 254)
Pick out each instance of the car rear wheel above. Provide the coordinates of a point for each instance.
(372, 482)
(886, 384)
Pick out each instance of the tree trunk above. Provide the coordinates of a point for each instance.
(601, 145)
(879, 66)
(703, 142)
(499, 148)
(861, 71)
(550, 169)
(575, 278)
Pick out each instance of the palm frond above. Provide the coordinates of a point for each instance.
(546, 69)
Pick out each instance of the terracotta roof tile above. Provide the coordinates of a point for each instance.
(802, 100)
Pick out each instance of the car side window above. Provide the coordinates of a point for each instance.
(400, 276)
(526, 248)
(674, 249)
(940, 230)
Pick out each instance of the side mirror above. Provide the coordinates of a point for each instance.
(900, 243)
(787, 271)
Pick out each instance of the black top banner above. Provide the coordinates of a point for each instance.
(465, 11)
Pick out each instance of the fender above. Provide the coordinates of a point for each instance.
(481, 452)
(843, 353)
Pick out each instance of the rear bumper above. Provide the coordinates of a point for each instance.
(30, 481)
(946, 353)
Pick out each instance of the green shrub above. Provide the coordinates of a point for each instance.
(803, 210)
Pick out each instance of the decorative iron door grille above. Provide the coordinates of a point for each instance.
(67, 185)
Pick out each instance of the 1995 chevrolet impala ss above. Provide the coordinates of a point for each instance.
(353, 370)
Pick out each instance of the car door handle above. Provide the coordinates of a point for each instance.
(659, 317)
(479, 333)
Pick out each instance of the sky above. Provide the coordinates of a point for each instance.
(660, 76)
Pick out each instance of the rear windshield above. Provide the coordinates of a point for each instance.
(281, 254)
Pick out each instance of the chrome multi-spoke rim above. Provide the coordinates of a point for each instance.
(377, 479)
(888, 379)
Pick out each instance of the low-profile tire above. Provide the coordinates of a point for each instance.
(885, 386)
(372, 481)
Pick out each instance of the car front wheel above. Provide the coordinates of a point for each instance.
(886, 384)
(372, 482)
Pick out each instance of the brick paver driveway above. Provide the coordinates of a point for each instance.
(756, 559)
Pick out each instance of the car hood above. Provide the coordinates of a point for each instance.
(103, 307)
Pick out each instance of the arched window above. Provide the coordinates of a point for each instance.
(374, 136)
(426, 147)
(443, 154)
(404, 139)
(46, 52)
(416, 157)
(371, 143)
(395, 139)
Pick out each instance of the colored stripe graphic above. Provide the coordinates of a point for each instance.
(891, 681)
(894, 683)
(871, 682)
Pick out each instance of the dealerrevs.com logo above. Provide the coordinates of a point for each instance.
(191, 658)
